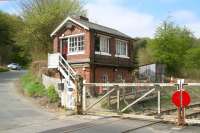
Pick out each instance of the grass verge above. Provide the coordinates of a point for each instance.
(3, 69)
(33, 87)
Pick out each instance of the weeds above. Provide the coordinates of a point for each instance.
(34, 88)
(52, 94)
(2, 69)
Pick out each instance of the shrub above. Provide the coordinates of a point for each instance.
(35, 89)
(52, 94)
(32, 86)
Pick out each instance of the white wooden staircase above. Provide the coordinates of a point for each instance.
(56, 61)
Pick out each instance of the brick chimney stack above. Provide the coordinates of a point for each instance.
(83, 18)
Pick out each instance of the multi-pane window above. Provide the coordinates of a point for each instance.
(76, 44)
(102, 44)
(121, 48)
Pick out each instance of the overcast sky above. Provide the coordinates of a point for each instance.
(137, 18)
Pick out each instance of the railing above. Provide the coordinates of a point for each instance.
(117, 88)
(57, 61)
(120, 87)
(133, 84)
(64, 64)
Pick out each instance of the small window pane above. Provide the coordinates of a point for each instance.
(76, 44)
(104, 44)
(121, 47)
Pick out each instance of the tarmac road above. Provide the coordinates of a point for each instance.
(117, 125)
(19, 115)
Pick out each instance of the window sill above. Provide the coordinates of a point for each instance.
(75, 53)
(102, 53)
(122, 56)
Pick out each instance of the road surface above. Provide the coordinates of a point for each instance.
(19, 115)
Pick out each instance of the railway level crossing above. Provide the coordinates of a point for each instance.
(156, 87)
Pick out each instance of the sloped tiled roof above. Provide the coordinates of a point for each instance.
(102, 28)
(90, 25)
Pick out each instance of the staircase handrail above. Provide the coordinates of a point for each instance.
(63, 66)
(70, 68)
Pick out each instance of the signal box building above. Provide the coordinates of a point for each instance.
(98, 53)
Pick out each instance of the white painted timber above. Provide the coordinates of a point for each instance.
(57, 61)
(137, 100)
(53, 60)
(139, 84)
(129, 84)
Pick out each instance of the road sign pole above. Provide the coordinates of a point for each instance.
(179, 108)
(181, 112)
(182, 107)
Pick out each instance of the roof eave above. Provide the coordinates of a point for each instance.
(64, 22)
(126, 37)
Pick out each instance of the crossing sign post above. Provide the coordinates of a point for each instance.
(181, 99)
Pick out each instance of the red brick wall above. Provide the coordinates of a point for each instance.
(56, 47)
(126, 74)
(76, 30)
(84, 72)
(87, 73)
(112, 74)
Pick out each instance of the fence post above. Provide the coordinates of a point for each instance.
(181, 111)
(118, 98)
(159, 102)
(79, 98)
(84, 97)
(109, 98)
(158, 88)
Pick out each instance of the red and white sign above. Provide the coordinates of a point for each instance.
(176, 98)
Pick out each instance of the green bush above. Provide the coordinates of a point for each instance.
(32, 86)
(52, 94)
(191, 73)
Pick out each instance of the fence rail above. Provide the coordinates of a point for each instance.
(132, 84)
(138, 84)
(123, 86)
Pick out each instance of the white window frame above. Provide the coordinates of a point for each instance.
(101, 44)
(77, 41)
(121, 55)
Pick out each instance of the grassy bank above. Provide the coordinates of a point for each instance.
(3, 69)
(33, 87)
